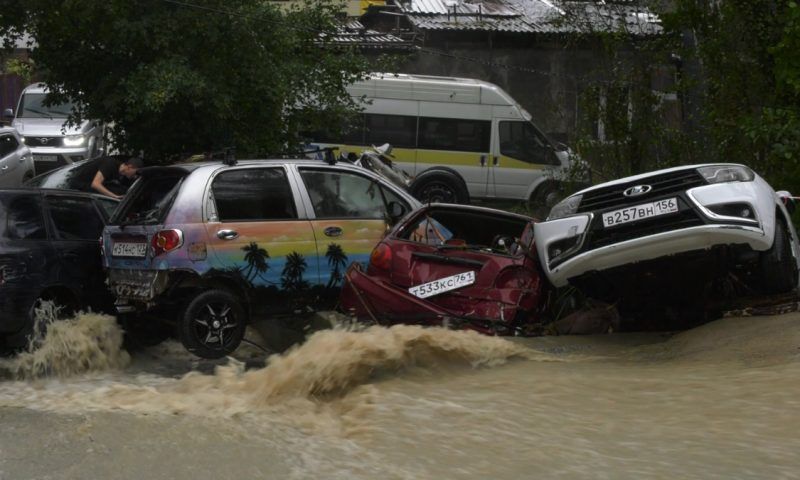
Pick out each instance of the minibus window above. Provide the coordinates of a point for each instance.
(521, 141)
(397, 130)
(454, 134)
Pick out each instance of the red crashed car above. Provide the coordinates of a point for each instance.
(455, 265)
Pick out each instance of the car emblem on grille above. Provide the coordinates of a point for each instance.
(637, 190)
(44, 140)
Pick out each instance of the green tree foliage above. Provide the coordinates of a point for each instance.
(750, 63)
(736, 79)
(179, 77)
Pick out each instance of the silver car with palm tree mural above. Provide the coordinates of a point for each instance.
(210, 247)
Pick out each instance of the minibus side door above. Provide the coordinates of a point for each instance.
(521, 155)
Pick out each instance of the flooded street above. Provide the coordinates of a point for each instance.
(719, 401)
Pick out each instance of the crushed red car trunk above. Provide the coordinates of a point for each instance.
(455, 265)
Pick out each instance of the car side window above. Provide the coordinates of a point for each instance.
(107, 205)
(390, 196)
(521, 141)
(21, 217)
(75, 218)
(343, 194)
(253, 194)
(8, 144)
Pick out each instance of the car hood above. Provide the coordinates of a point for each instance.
(643, 176)
(47, 127)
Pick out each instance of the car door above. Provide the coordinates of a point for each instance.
(520, 157)
(349, 217)
(77, 224)
(258, 234)
(25, 257)
(10, 159)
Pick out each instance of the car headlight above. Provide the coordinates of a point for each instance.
(565, 207)
(74, 140)
(727, 173)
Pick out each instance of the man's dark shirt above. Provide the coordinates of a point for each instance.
(112, 180)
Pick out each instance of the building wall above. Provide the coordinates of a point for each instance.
(543, 75)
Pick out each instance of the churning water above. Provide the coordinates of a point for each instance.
(719, 401)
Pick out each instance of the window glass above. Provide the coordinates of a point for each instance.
(150, 199)
(454, 134)
(521, 141)
(75, 218)
(32, 106)
(107, 205)
(8, 144)
(397, 130)
(390, 196)
(343, 194)
(253, 194)
(21, 217)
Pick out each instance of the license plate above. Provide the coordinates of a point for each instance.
(639, 212)
(129, 249)
(45, 158)
(442, 285)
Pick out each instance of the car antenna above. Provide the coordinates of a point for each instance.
(230, 156)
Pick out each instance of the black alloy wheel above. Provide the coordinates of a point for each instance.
(213, 324)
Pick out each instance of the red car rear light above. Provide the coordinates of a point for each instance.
(381, 257)
(515, 277)
(166, 240)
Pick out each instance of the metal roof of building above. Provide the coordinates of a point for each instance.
(528, 16)
(353, 33)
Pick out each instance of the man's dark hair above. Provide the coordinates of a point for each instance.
(135, 162)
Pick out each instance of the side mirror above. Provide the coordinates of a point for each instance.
(8, 113)
(395, 212)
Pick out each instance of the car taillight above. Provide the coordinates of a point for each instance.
(381, 257)
(166, 240)
(515, 278)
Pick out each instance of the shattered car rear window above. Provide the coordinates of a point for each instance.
(150, 199)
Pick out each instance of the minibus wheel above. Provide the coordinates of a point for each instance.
(440, 186)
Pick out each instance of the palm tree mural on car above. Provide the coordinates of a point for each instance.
(292, 274)
(337, 260)
(256, 258)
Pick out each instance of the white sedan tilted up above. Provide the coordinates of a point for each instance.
(699, 222)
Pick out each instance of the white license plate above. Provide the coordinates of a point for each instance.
(129, 249)
(442, 285)
(639, 212)
(45, 158)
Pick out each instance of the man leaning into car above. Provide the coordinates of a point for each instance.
(113, 176)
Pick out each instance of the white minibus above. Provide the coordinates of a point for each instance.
(460, 138)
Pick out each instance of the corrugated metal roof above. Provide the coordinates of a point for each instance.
(544, 16)
(353, 33)
(472, 22)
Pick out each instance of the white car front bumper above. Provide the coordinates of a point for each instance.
(715, 230)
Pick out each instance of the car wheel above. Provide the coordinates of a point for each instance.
(142, 331)
(440, 187)
(777, 267)
(544, 199)
(213, 324)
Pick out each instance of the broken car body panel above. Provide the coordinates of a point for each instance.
(463, 266)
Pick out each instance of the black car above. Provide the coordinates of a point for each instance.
(49, 250)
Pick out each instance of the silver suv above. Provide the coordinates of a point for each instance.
(44, 130)
(212, 246)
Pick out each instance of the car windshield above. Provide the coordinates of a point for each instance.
(149, 200)
(32, 106)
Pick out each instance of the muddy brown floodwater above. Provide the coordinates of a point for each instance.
(720, 401)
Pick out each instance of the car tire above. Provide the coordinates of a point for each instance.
(777, 267)
(544, 198)
(439, 186)
(213, 324)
